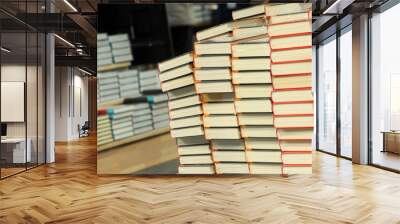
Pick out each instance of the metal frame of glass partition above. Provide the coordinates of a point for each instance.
(42, 120)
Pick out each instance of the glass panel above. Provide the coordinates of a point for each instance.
(385, 86)
(327, 96)
(346, 94)
(13, 77)
(31, 100)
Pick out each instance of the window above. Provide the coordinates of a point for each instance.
(385, 89)
(346, 92)
(327, 95)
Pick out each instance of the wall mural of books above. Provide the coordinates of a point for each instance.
(240, 103)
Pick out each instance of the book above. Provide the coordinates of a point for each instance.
(192, 140)
(184, 102)
(232, 168)
(217, 97)
(227, 144)
(250, 50)
(214, 31)
(185, 132)
(294, 121)
(177, 83)
(290, 42)
(220, 121)
(294, 68)
(176, 72)
(262, 143)
(181, 92)
(264, 156)
(297, 158)
(289, 18)
(293, 108)
(287, 8)
(292, 82)
(290, 55)
(197, 169)
(186, 122)
(265, 168)
(222, 133)
(296, 145)
(175, 62)
(287, 29)
(214, 87)
(229, 156)
(186, 112)
(195, 159)
(212, 74)
(248, 12)
(250, 64)
(253, 91)
(194, 150)
(212, 48)
(253, 105)
(248, 32)
(214, 61)
(255, 119)
(251, 77)
(302, 95)
(219, 108)
(258, 131)
(295, 134)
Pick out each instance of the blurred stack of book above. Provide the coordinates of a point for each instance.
(107, 86)
(104, 134)
(113, 49)
(251, 100)
(149, 81)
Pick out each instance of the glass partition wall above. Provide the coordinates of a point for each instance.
(385, 90)
(334, 93)
(22, 77)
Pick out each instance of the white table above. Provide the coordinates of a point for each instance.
(19, 155)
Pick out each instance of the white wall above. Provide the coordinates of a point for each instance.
(68, 82)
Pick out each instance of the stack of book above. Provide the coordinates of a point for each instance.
(121, 121)
(129, 83)
(252, 86)
(104, 54)
(120, 48)
(142, 118)
(289, 29)
(159, 110)
(212, 63)
(104, 134)
(185, 113)
(107, 86)
(149, 81)
(130, 119)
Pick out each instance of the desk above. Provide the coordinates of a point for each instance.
(391, 141)
(16, 153)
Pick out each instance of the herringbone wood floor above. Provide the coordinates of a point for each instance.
(69, 191)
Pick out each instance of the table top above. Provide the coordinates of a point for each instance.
(13, 140)
(391, 132)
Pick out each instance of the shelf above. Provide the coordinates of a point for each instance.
(113, 67)
(132, 139)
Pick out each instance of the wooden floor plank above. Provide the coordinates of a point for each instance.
(69, 191)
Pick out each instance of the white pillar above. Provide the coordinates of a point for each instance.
(360, 90)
